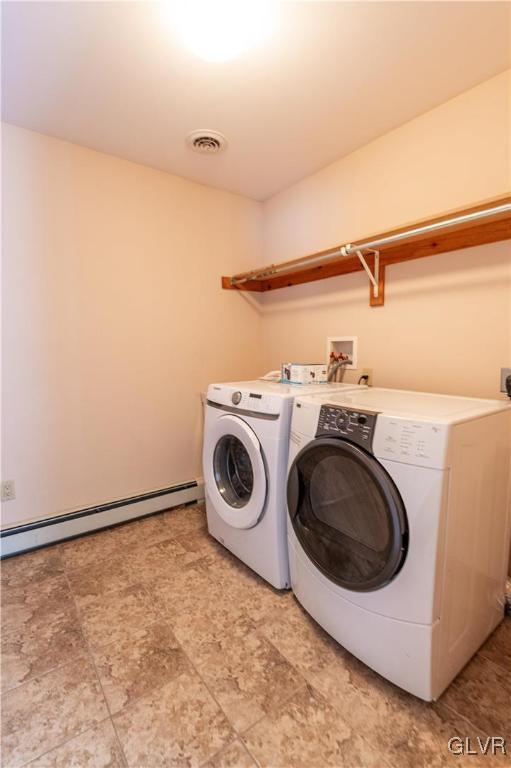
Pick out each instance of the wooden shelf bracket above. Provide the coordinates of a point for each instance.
(374, 276)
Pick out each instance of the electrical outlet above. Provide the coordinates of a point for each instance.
(504, 373)
(8, 490)
(369, 373)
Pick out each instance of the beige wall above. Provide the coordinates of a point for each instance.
(114, 322)
(114, 319)
(446, 322)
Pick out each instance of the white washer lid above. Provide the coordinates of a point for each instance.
(285, 391)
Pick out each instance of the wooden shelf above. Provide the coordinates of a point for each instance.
(493, 228)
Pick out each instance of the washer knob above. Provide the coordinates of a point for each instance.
(236, 398)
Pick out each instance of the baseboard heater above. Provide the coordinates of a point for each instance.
(23, 538)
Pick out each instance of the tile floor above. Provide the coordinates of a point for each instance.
(149, 645)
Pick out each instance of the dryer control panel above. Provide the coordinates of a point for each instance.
(422, 443)
(354, 425)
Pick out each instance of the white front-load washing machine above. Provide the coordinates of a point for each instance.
(398, 527)
(246, 441)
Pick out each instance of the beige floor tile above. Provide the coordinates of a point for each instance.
(260, 599)
(191, 593)
(28, 606)
(264, 600)
(196, 631)
(115, 616)
(184, 520)
(245, 673)
(408, 732)
(179, 724)
(38, 650)
(89, 550)
(435, 725)
(416, 735)
(307, 732)
(96, 748)
(138, 534)
(198, 608)
(482, 694)
(32, 568)
(233, 756)
(226, 568)
(498, 646)
(249, 591)
(142, 533)
(40, 630)
(161, 560)
(361, 697)
(158, 596)
(201, 545)
(110, 575)
(136, 665)
(297, 636)
(46, 711)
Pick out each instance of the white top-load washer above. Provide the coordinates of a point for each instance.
(398, 527)
(246, 440)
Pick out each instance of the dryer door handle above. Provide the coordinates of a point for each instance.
(293, 491)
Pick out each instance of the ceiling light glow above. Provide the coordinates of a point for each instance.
(221, 30)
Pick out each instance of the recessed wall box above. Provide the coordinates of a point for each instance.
(346, 344)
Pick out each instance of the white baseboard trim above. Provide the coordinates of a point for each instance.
(23, 538)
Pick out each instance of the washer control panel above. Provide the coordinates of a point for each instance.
(355, 425)
(234, 398)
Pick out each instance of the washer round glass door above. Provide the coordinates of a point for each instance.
(235, 471)
(347, 514)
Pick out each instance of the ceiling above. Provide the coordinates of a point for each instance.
(333, 76)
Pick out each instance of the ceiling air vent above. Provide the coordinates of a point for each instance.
(206, 142)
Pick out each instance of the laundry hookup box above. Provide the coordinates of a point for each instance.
(304, 373)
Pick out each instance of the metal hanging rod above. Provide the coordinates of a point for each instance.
(372, 245)
(450, 222)
(273, 270)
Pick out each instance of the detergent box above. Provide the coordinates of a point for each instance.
(304, 373)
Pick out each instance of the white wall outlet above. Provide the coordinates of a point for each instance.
(8, 490)
(504, 373)
(369, 373)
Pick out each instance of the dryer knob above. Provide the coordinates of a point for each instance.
(236, 398)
